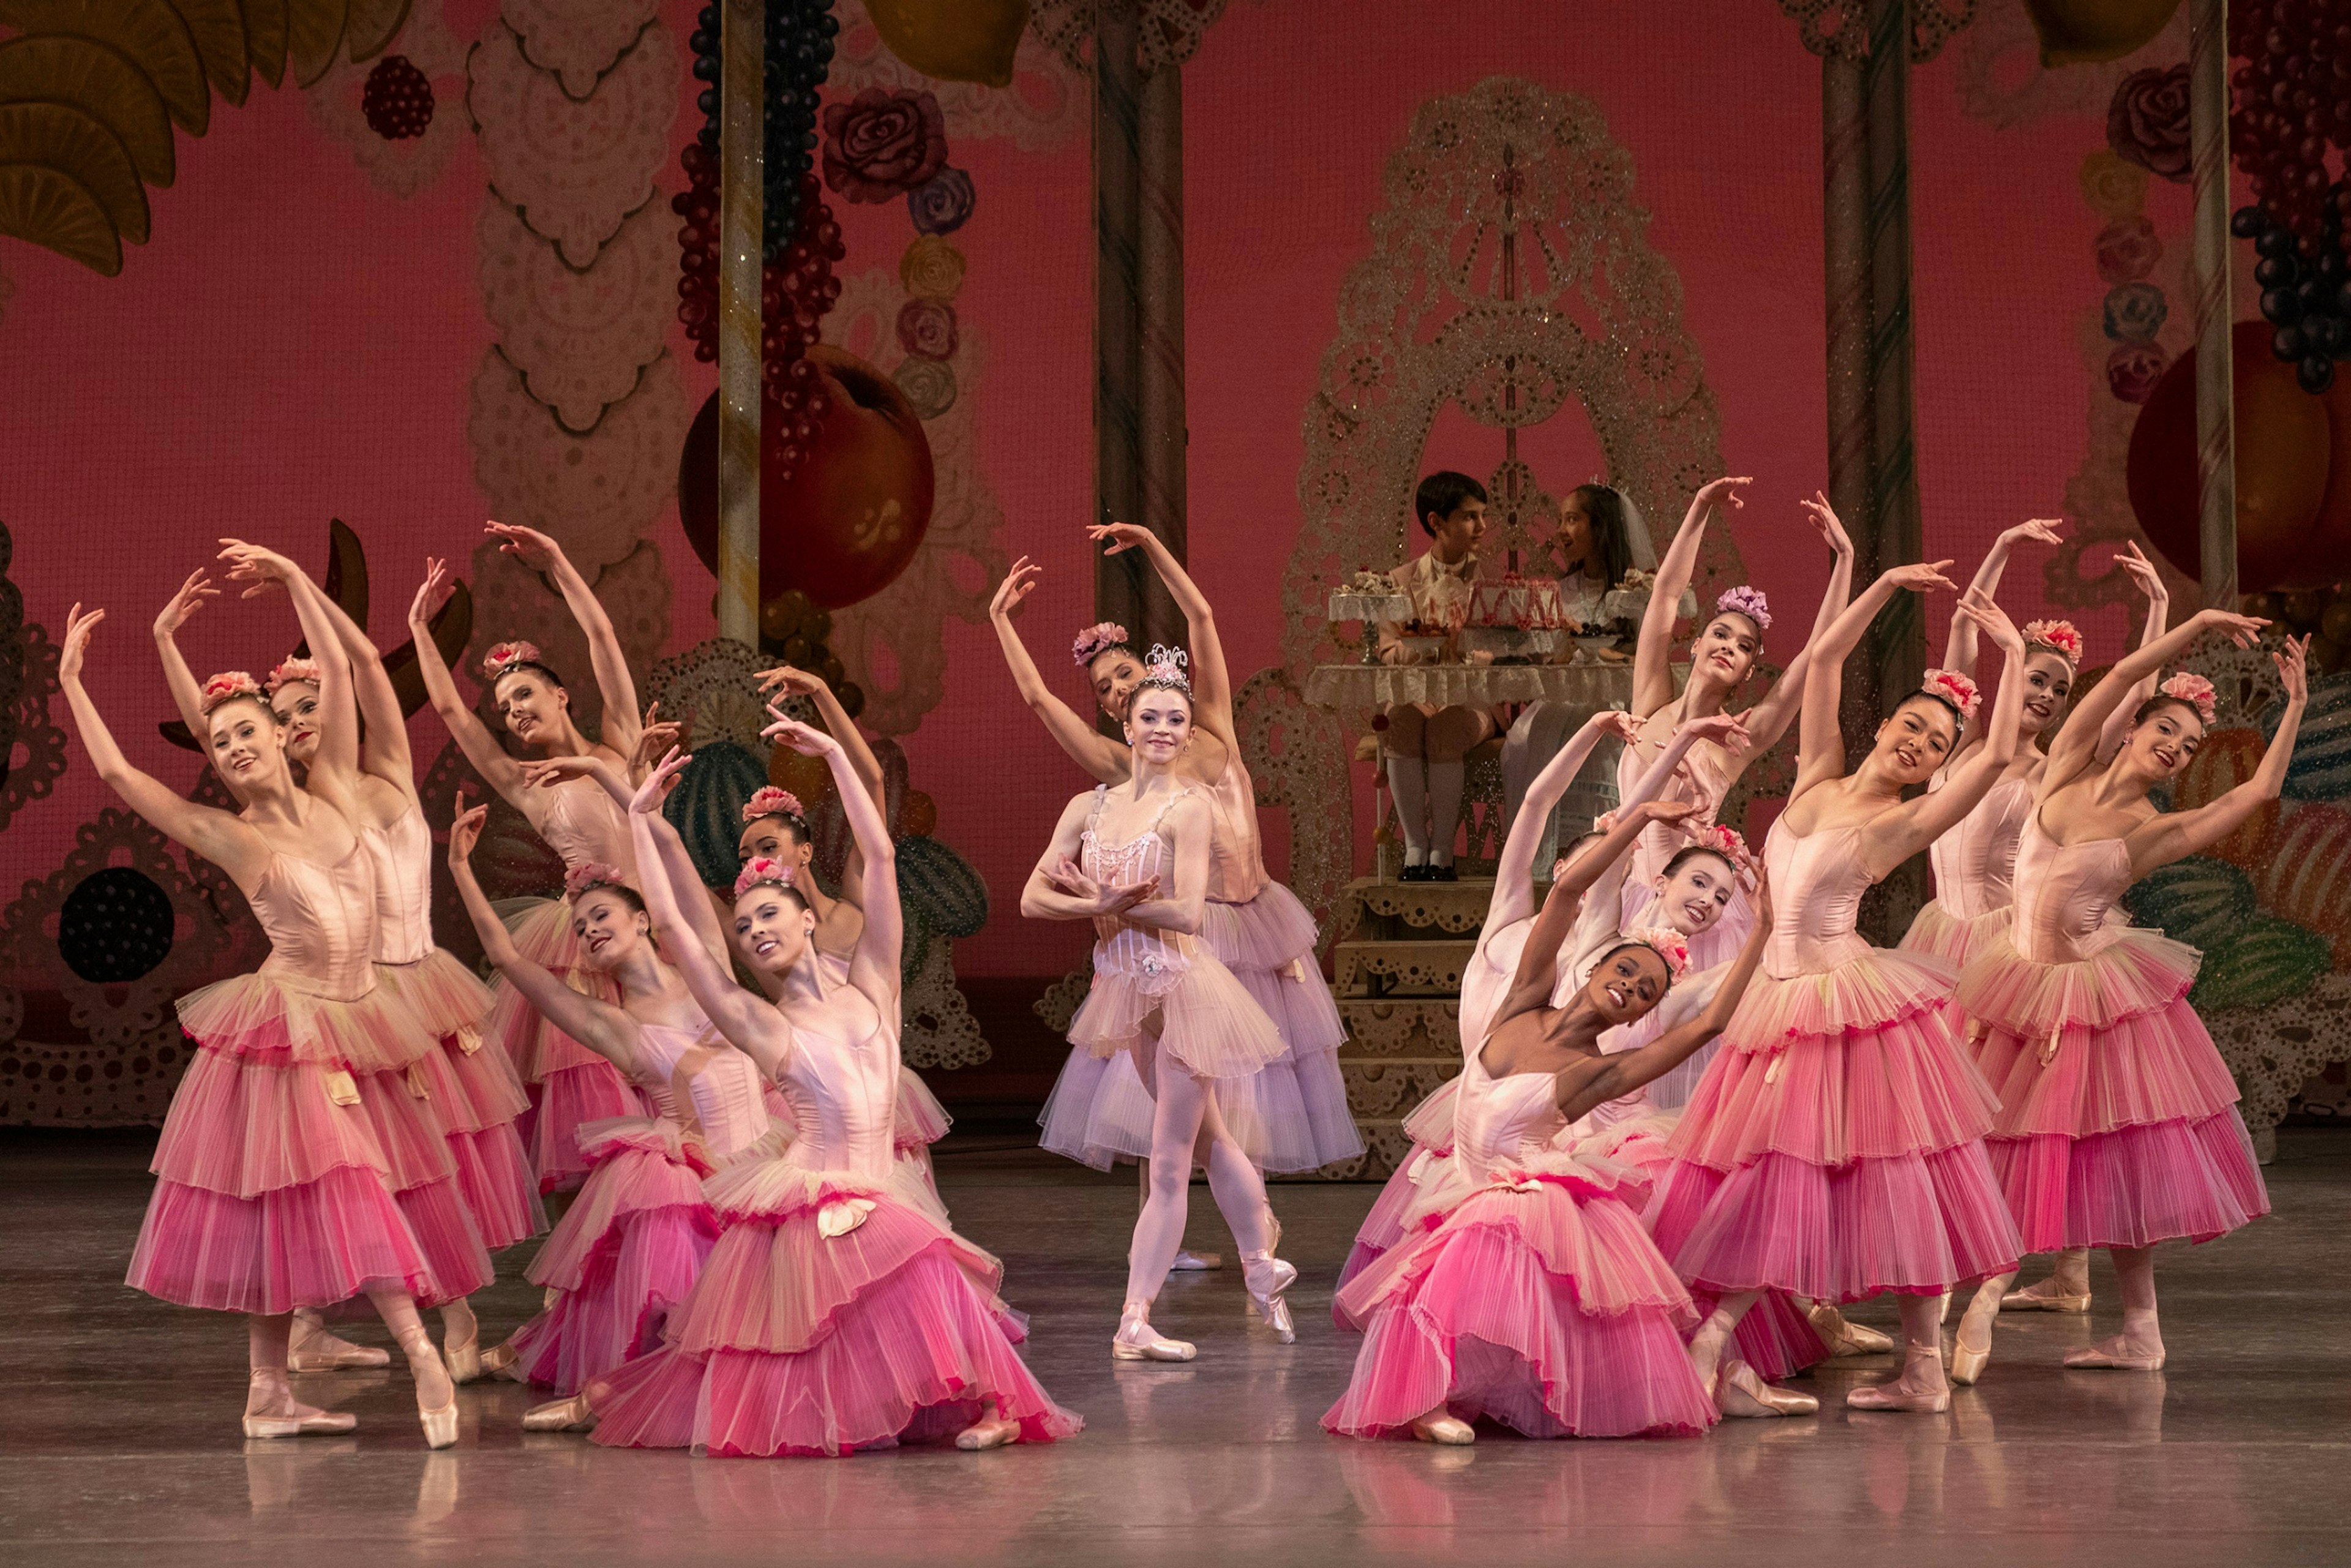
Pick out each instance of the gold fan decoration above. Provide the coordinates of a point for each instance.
(89, 90)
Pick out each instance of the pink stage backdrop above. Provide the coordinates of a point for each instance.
(326, 324)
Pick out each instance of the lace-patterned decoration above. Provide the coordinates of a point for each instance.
(1171, 30)
(938, 1028)
(1841, 27)
(1046, 105)
(405, 166)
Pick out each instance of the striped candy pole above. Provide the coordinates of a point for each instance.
(1845, 171)
(2216, 414)
(742, 110)
(1163, 433)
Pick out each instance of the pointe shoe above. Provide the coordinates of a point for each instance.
(990, 1434)
(315, 1421)
(498, 1361)
(570, 1414)
(2045, 1296)
(311, 1348)
(1266, 1277)
(1846, 1337)
(1740, 1394)
(1189, 1262)
(465, 1362)
(1445, 1429)
(1887, 1397)
(2116, 1355)
(439, 1426)
(1136, 1340)
(1967, 1364)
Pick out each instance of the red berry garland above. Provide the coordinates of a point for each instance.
(397, 99)
(2292, 106)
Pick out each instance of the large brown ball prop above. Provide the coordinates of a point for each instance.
(2286, 539)
(2078, 31)
(845, 522)
(954, 41)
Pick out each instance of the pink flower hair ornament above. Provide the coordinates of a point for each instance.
(1951, 686)
(761, 872)
(1096, 641)
(768, 800)
(506, 657)
(2059, 637)
(1666, 944)
(292, 671)
(1748, 601)
(2193, 689)
(1725, 841)
(227, 686)
(587, 877)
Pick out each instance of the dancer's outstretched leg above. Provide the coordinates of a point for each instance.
(437, 1395)
(1922, 1386)
(1180, 1103)
(1239, 1191)
(2139, 1347)
(1972, 1345)
(270, 1408)
(461, 1340)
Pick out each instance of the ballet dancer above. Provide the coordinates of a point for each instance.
(1834, 1148)
(273, 1186)
(1720, 659)
(834, 1313)
(570, 1084)
(1134, 859)
(1529, 1292)
(2118, 1125)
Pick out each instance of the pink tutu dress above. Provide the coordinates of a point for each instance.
(834, 1313)
(291, 1171)
(481, 1099)
(1701, 781)
(1524, 1288)
(568, 1083)
(2118, 1123)
(1293, 1115)
(1834, 1147)
(1975, 877)
(632, 1243)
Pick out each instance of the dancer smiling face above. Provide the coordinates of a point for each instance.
(531, 701)
(1917, 737)
(1723, 654)
(2048, 687)
(610, 924)
(244, 739)
(774, 927)
(1626, 984)
(2163, 739)
(1114, 673)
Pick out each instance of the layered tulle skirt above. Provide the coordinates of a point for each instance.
(1834, 1148)
(1294, 1113)
(833, 1314)
(569, 1085)
(1531, 1296)
(484, 1099)
(300, 1163)
(2118, 1123)
(625, 1254)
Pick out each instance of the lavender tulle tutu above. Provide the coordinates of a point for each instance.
(1293, 1115)
(2118, 1123)
(833, 1314)
(570, 1085)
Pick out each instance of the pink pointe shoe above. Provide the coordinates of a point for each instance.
(1448, 1430)
(1136, 1340)
(1190, 1263)
(2120, 1354)
(2048, 1295)
(1741, 1395)
(1892, 1396)
(311, 1348)
(1846, 1338)
(295, 1420)
(1266, 1277)
(990, 1431)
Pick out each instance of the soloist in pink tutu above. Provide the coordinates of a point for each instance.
(2118, 1123)
(833, 1313)
(479, 1098)
(274, 1185)
(1523, 1288)
(571, 1084)
(1834, 1148)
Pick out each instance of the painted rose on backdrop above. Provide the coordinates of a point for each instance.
(942, 203)
(2135, 313)
(2133, 369)
(2128, 251)
(884, 143)
(927, 329)
(2113, 188)
(2147, 122)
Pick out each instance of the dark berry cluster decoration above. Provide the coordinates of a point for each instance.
(397, 99)
(2293, 104)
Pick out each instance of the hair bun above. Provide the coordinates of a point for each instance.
(771, 800)
(1666, 944)
(2059, 637)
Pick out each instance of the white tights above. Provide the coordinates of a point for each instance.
(1184, 1114)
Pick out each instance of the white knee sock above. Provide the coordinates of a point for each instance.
(1404, 782)
(1444, 809)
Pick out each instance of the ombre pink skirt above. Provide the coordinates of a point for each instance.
(485, 1101)
(569, 1085)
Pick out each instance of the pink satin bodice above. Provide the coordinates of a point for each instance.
(585, 826)
(844, 1095)
(320, 921)
(403, 853)
(1700, 781)
(1498, 1121)
(1236, 852)
(722, 1098)
(2066, 896)
(1120, 945)
(1975, 860)
(1817, 881)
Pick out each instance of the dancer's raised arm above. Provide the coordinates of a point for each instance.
(1604, 902)
(1584, 1086)
(752, 1024)
(383, 749)
(700, 912)
(1212, 681)
(336, 760)
(2077, 737)
(1513, 898)
(603, 1029)
(1102, 759)
(1768, 720)
(464, 726)
(187, 695)
(873, 966)
(1894, 835)
(606, 658)
(1539, 963)
(2158, 613)
(1820, 743)
(867, 767)
(2176, 835)
(1653, 670)
(216, 835)
(1959, 645)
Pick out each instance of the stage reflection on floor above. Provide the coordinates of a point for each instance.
(120, 1443)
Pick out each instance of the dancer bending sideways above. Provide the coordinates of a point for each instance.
(2118, 1123)
(630, 1246)
(834, 1313)
(1529, 1292)
(1720, 659)
(1834, 1148)
(1134, 861)
(274, 1185)
(570, 1085)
